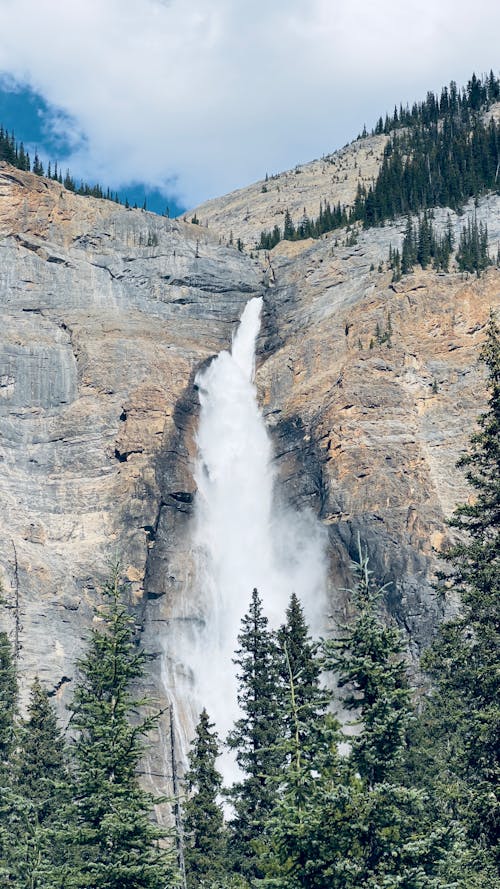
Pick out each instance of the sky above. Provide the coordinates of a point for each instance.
(190, 100)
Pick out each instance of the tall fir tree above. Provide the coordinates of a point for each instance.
(43, 793)
(205, 849)
(369, 662)
(8, 799)
(254, 736)
(118, 844)
(395, 841)
(463, 712)
(8, 700)
(299, 668)
(305, 830)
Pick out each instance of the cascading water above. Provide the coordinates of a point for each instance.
(241, 538)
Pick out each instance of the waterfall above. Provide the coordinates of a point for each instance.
(241, 538)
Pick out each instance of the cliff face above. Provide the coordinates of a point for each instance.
(106, 314)
(370, 390)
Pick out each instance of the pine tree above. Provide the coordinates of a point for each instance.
(472, 253)
(37, 165)
(307, 838)
(369, 661)
(117, 841)
(8, 700)
(408, 252)
(43, 791)
(396, 842)
(204, 833)
(463, 713)
(425, 236)
(300, 670)
(8, 709)
(288, 227)
(306, 830)
(254, 735)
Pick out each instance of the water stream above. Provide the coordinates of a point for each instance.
(241, 537)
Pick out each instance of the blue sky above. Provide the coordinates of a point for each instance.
(29, 115)
(193, 100)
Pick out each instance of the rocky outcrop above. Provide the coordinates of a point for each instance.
(370, 390)
(333, 178)
(372, 408)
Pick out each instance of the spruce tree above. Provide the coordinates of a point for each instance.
(254, 735)
(308, 828)
(408, 252)
(8, 801)
(8, 700)
(204, 833)
(299, 668)
(289, 232)
(43, 793)
(463, 713)
(395, 841)
(472, 253)
(116, 839)
(369, 662)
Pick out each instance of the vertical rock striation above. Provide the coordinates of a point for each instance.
(370, 390)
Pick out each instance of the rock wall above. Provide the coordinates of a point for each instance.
(370, 390)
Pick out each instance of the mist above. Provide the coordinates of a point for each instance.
(241, 537)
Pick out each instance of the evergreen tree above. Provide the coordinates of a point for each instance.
(463, 714)
(306, 830)
(395, 265)
(299, 670)
(37, 166)
(8, 700)
(425, 241)
(472, 253)
(308, 838)
(288, 227)
(254, 735)
(396, 842)
(118, 843)
(43, 793)
(8, 709)
(369, 662)
(204, 833)
(408, 251)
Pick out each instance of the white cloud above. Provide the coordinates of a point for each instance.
(218, 93)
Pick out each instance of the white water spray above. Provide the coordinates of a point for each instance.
(241, 538)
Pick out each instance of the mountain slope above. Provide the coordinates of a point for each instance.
(246, 212)
(370, 389)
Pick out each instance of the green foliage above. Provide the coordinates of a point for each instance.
(8, 700)
(472, 253)
(205, 838)
(118, 845)
(14, 153)
(42, 812)
(8, 709)
(342, 822)
(395, 263)
(254, 734)
(303, 699)
(441, 153)
(369, 661)
(459, 737)
(447, 154)
(329, 218)
(421, 244)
